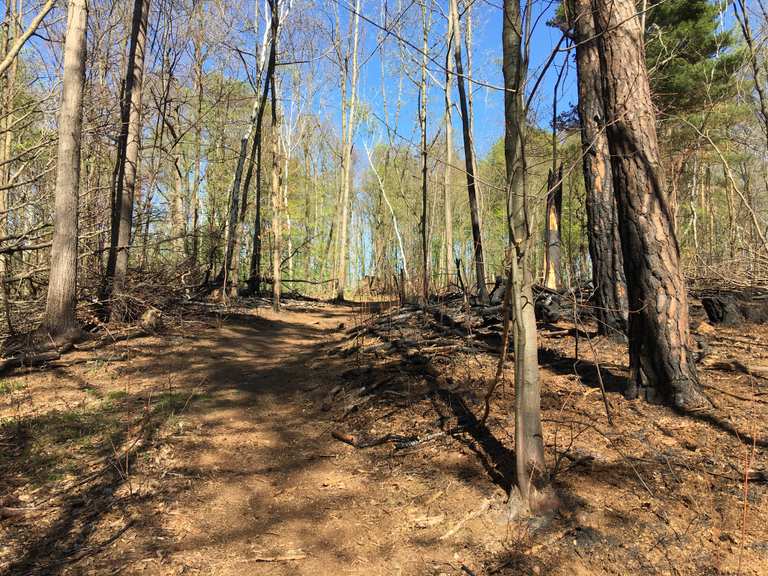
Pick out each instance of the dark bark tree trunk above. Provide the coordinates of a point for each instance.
(602, 219)
(554, 209)
(128, 152)
(423, 124)
(60, 322)
(254, 276)
(662, 366)
(482, 291)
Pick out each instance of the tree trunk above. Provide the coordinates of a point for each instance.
(602, 219)
(60, 322)
(423, 124)
(239, 196)
(128, 152)
(532, 477)
(230, 268)
(254, 276)
(661, 363)
(177, 207)
(276, 208)
(195, 201)
(482, 291)
(12, 31)
(447, 175)
(346, 169)
(554, 208)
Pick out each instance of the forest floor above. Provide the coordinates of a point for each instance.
(208, 449)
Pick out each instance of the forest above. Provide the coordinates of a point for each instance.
(415, 287)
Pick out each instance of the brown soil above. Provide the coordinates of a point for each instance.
(208, 450)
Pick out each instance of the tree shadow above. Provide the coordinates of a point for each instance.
(497, 460)
(589, 372)
(69, 538)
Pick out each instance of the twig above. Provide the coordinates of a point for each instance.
(282, 558)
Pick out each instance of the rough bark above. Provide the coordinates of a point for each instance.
(661, 361)
(602, 219)
(230, 268)
(474, 213)
(60, 322)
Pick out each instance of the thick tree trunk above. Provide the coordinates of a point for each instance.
(60, 322)
(661, 363)
(602, 218)
(482, 291)
(7, 123)
(128, 152)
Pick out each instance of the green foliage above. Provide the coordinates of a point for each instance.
(691, 63)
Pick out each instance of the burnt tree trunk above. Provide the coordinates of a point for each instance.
(661, 361)
(602, 219)
(552, 277)
(59, 321)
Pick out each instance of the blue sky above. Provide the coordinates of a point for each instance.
(488, 102)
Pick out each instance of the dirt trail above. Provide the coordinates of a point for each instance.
(207, 450)
(276, 484)
(246, 479)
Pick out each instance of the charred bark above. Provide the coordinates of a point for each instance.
(552, 276)
(662, 364)
(610, 286)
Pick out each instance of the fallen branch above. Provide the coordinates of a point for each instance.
(400, 442)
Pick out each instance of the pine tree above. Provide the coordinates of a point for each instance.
(691, 63)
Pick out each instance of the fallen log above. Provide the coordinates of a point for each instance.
(34, 359)
(729, 310)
